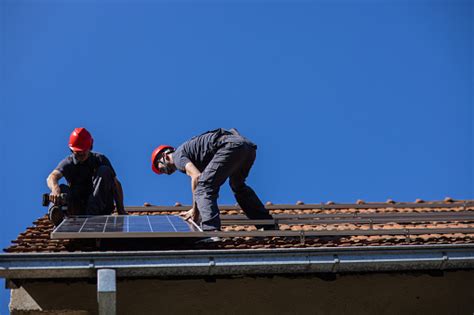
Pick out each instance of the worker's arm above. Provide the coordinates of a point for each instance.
(194, 173)
(118, 196)
(53, 183)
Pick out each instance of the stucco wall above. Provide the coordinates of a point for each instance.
(452, 293)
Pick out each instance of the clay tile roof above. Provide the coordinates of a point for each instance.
(435, 222)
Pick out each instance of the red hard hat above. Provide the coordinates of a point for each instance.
(155, 153)
(80, 140)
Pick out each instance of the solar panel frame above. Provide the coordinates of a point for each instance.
(153, 226)
(277, 233)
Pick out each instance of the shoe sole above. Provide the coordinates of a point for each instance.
(56, 216)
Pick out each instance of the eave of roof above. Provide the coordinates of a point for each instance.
(188, 263)
(420, 204)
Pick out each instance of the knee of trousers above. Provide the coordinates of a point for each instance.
(203, 190)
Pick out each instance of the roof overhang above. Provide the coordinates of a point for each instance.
(237, 262)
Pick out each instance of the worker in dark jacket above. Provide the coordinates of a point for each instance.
(209, 159)
(92, 185)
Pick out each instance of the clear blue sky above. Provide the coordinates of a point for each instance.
(346, 99)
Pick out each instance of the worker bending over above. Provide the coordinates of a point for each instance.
(209, 159)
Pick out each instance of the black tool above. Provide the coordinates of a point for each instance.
(62, 200)
(58, 211)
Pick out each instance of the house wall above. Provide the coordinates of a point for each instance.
(451, 293)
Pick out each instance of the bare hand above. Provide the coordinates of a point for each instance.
(192, 214)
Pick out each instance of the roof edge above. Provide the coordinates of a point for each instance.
(322, 206)
(238, 262)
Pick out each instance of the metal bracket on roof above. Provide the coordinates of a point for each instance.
(407, 236)
(302, 237)
(444, 260)
(371, 222)
(276, 224)
(212, 262)
(336, 263)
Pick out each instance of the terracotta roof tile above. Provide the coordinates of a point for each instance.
(36, 238)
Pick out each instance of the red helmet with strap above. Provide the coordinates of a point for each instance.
(155, 155)
(80, 140)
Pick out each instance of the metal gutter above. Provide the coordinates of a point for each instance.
(238, 262)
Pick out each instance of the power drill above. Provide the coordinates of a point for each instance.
(62, 202)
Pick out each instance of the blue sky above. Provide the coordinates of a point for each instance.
(346, 100)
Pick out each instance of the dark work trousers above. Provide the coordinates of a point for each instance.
(233, 161)
(99, 202)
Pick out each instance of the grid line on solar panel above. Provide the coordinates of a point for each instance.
(116, 224)
(179, 224)
(138, 224)
(171, 223)
(105, 225)
(94, 224)
(74, 225)
(121, 226)
(162, 224)
(149, 224)
(80, 230)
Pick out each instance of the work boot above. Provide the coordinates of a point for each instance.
(208, 240)
(211, 239)
(269, 227)
(56, 215)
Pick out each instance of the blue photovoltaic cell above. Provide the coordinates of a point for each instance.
(94, 224)
(161, 223)
(138, 224)
(116, 225)
(71, 225)
(179, 224)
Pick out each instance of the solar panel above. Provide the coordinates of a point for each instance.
(110, 226)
